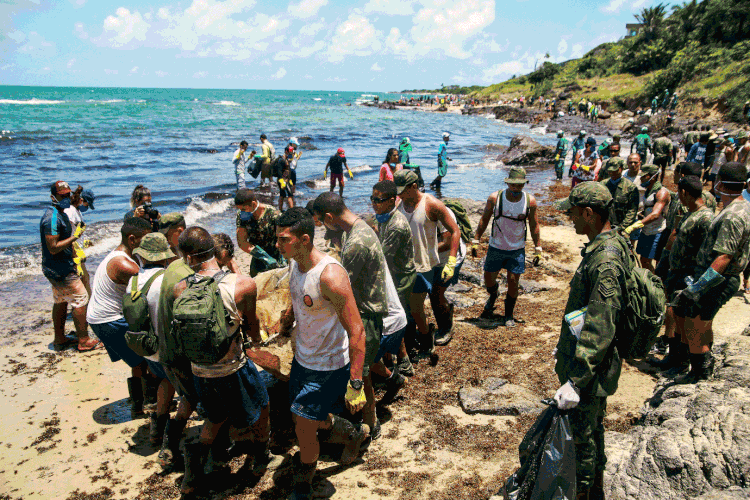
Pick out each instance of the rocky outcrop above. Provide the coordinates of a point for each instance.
(526, 151)
(498, 397)
(510, 114)
(693, 441)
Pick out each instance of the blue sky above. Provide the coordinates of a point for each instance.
(374, 45)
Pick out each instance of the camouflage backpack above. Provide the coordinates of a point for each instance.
(200, 322)
(462, 218)
(140, 336)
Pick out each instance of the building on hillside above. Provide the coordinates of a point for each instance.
(633, 29)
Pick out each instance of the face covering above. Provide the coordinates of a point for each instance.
(393, 165)
(83, 208)
(645, 184)
(64, 203)
(383, 218)
(722, 193)
(246, 216)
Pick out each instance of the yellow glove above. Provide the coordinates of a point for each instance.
(633, 227)
(355, 400)
(87, 243)
(557, 157)
(78, 258)
(586, 167)
(79, 231)
(537, 255)
(282, 184)
(351, 175)
(325, 175)
(448, 269)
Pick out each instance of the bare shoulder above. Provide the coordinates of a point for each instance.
(532, 201)
(245, 285)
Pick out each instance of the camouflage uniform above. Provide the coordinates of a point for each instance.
(691, 231)
(561, 151)
(642, 145)
(362, 257)
(592, 362)
(398, 249)
(662, 152)
(261, 233)
(729, 234)
(625, 197)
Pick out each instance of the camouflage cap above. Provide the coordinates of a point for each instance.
(516, 175)
(154, 247)
(170, 220)
(403, 178)
(649, 169)
(586, 194)
(615, 164)
(742, 134)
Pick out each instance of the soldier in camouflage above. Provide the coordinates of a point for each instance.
(625, 196)
(561, 152)
(256, 231)
(662, 153)
(722, 257)
(588, 365)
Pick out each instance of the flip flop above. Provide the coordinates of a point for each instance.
(89, 346)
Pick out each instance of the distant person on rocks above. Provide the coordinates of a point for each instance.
(404, 148)
(579, 143)
(642, 144)
(329, 353)
(624, 208)
(442, 161)
(665, 101)
(587, 365)
(239, 164)
(662, 153)
(337, 163)
(292, 156)
(268, 153)
(743, 147)
(654, 104)
(509, 210)
(390, 165)
(673, 102)
(57, 238)
(561, 151)
(655, 205)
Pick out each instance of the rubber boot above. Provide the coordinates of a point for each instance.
(346, 433)
(156, 430)
(303, 477)
(195, 457)
(170, 456)
(489, 306)
(597, 489)
(150, 389)
(583, 495)
(264, 460)
(218, 455)
(701, 368)
(677, 356)
(445, 327)
(135, 390)
(510, 306)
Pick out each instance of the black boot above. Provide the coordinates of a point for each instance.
(701, 368)
(303, 477)
(351, 436)
(170, 456)
(597, 489)
(135, 390)
(445, 327)
(195, 457)
(150, 388)
(677, 356)
(489, 306)
(156, 430)
(510, 306)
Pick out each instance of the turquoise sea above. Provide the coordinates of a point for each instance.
(179, 143)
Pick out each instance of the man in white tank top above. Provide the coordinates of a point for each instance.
(507, 246)
(330, 349)
(423, 212)
(104, 313)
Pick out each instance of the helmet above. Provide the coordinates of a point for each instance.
(446, 135)
(582, 132)
(644, 129)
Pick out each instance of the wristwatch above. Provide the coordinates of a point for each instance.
(356, 384)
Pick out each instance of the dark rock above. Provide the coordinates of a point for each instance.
(605, 115)
(494, 147)
(459, 300)
(573, 87)
(470, 276)
(497, 397)
(524, 150)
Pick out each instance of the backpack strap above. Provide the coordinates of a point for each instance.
(135, 293)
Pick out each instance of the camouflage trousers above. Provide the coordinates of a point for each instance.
(560, 168)
(586, 421)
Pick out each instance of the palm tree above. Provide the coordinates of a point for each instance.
(652, 18)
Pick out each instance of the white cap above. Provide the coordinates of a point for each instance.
(446, 134)
(294, 141)
(583, 132)
(560, 133)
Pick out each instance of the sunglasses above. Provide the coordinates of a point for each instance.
(379, 200)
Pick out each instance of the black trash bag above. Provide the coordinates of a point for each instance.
(548, 460)
(255, 169)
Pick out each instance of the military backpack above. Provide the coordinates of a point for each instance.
(462, 218)
(140, 337)
(200, 322)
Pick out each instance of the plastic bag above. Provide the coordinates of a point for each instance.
(548, 460)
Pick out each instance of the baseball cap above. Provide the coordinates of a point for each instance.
(582, 132)
(586, 194)
(340, 152)
(88, 197)
(294, 141)
(446, 134)
(649, 169)
(154, 247)
(404, 178)
(559, 133)
(516, 175)
(644, 129)
(60, 187)
(170, 220)
(405, 141)
(615, 164)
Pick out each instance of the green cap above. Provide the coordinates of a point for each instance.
(586, 194)
(742, 134)
(615, 164)
(516, 175)
(154, 247)
(649, 169)
(169, 221)
(403, 178)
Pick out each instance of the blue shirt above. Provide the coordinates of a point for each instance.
(442, 153)
(697, 153)
(56, 223)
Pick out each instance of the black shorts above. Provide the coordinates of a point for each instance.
(709, 305)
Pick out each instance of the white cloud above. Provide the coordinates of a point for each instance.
(311, 29)
(161, 74)
(36, 46)
(355, 36)
(79, 30)
(390, 7)
(71, 62)
(518, 66)
(17, 36)
(78, 3)
(279, 74)
(397, 44)
(376, 67)
(306, 8)
(562, 46)
(305, 51)
(134, 70)
(200, 74)
(111, 71)
(576, 51)
(613, 7)
(125, 26)
(308, 77)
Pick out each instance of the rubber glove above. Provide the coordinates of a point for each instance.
(633, 227)
(351, 175)
(557, 157)
(79, 231)
(474, 250)
(537, 255)
(355, 400)
(262, 255)
(568, 396)
(87, 243)
(698, 289)
(586, 167)
(449, 269)
(325, 175)
(282, 184)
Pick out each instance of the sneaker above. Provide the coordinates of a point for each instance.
(510, 322)
(405, 367)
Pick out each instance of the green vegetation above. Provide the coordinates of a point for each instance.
(701, 50)
(450, 89)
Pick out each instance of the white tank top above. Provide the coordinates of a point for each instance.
(509, 233)
(106, 295)
(659, 224)
(322, 342)
(424, 235)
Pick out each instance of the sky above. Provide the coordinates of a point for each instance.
(359, 45)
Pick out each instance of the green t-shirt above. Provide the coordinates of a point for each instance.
(362, 257)
(398, 250)
(662, 148)
(729, 235)
(691, 231)
(169, 353)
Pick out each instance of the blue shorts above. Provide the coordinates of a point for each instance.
(238, 398)
(390, 344)
(438, 281)
(156, 369)
(512, 260)
(182, 380)
(423, 283)
(635, 235)
(314, 394)
(647, 245)
(112, 335)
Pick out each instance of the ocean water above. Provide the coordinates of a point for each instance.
(179, 143)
